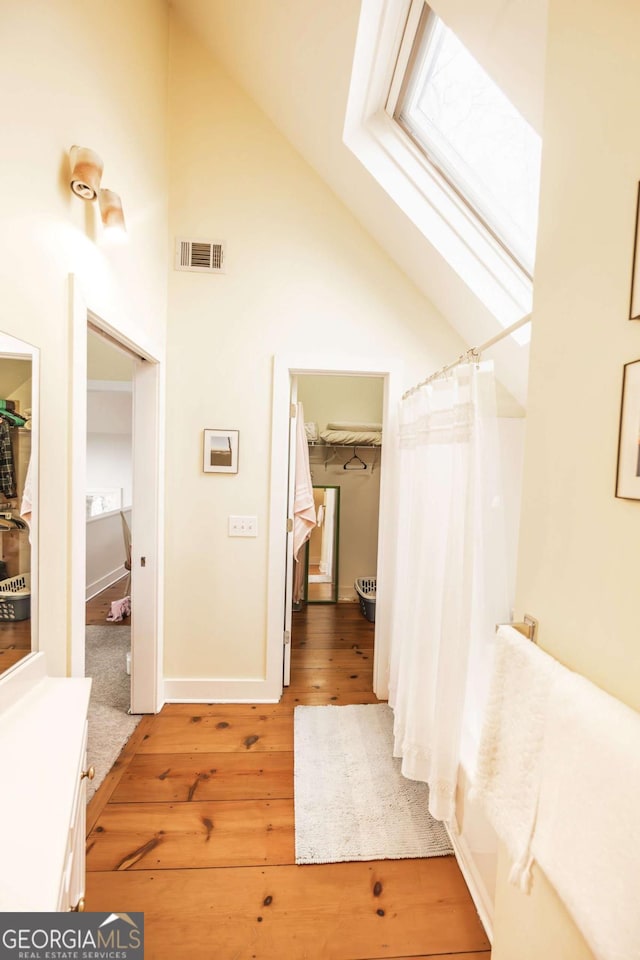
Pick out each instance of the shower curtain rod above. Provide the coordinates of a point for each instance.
(472, 354)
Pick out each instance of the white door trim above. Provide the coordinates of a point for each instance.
(283, 369)
(147, 687)
(290, 563)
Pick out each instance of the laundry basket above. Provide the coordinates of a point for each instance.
(15, 598)
(366, 590)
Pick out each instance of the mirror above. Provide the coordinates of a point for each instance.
(18, 498)
(322, 547)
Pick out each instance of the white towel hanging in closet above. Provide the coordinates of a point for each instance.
(304, 509)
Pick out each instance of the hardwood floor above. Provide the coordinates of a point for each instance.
(99, 606)
(15, 642)
(194, 826)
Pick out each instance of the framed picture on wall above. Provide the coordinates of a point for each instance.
(628, 475)
(634, 306)
(220, 451)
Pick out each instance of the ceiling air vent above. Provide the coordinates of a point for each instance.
(200, 256)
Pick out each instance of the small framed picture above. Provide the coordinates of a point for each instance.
(634, 305)
(220, 451)
(628, 475)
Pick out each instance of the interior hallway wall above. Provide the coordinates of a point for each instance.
(297, 265)
(96, 75)
(578, 562)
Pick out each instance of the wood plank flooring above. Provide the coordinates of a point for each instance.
(195, 827)
(99, 606)
(15, 642)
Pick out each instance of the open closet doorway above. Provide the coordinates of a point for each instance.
(343, 434)
(343, 425)
(289, 381)
(109, 489)
(146, 542)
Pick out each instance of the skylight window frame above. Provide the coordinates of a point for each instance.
(419, 28)
(496, 281)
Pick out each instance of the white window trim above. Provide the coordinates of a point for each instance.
(415, 185)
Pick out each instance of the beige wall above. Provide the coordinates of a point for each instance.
(93, 74)
(15, 382)
(348, 398)
(302, 278)
(106, 362)
(106, 553)
(328, 398)
(578, 567)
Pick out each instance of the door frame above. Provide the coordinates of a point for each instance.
(148, 491)
(284, 368)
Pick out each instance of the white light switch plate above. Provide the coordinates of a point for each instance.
(243, 526)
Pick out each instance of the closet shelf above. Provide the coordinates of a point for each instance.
(322, 444)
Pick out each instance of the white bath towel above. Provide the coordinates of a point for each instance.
(304, 510)
(507, 781)
(587, 835)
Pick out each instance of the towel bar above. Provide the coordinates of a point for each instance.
(528, 627)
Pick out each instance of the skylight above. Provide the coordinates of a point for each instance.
(473, 135)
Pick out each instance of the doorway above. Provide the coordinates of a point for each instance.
(286, 371)
(109, 485)
(146, 557)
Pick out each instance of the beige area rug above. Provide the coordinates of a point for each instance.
(110, 726)
(351, 801)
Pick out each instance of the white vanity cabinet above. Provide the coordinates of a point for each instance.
(43, 768)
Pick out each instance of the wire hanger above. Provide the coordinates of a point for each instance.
(358, 465)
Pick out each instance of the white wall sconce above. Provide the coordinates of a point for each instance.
(112, 213)
(86, 172)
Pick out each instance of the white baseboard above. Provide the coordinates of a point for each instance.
(473, 880)
(205, 690)
(93, 589)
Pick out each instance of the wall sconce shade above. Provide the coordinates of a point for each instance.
(111, 211)
(86, 171)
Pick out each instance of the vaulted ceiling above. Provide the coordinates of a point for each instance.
(294, 59)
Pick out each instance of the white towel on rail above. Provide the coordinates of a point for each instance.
(304, 510)
(507, 781)
(587, 835)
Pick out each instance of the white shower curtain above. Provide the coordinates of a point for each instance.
(451, 585)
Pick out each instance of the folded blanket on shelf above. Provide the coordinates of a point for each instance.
(354, 425)
(362, 438)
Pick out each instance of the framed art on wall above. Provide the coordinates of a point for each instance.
(628, 474)
(634, 305)
(220, 451)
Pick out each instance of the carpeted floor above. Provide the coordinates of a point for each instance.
(110, 726)
(351, 801)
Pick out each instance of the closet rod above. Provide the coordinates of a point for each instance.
(471, 354)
